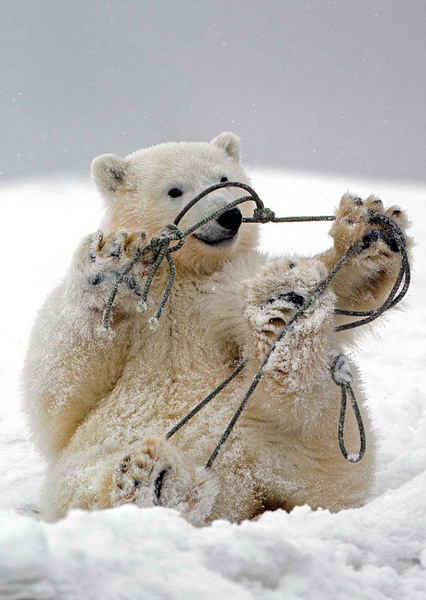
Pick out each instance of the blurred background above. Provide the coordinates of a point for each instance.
(327, 86)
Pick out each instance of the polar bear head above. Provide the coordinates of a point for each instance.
(148, 189)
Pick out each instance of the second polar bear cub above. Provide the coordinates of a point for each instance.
(100, 405)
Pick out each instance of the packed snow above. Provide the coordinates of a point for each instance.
(374, 552)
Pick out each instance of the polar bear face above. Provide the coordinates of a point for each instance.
(147, 190)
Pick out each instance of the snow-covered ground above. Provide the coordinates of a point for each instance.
(374, 552)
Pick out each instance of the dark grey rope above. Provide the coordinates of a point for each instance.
(320, 288)
(290, 219)
(108, 307)
(234, 184)
(404, 273)
(342, 376)
(160, 246)
(207, 399)
(346, 389)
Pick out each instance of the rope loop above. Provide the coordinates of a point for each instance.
(404, 276)
(173, 233)
(157, 242)
(169, 234)
(342, 376)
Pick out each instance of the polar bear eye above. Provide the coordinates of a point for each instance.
(223, 179)
(175, 193)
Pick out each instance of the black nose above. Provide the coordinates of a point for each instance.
(231, 219)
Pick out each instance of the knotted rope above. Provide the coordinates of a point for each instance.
(319, 289)
(161, 247)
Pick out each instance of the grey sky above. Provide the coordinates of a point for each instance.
(325, 85)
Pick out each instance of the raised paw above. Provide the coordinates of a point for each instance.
(274, 297)
(157, 475)
(356, 223)
(366, 279)
(111, 254)
(99, 262)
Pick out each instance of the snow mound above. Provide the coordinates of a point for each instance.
(374, 552)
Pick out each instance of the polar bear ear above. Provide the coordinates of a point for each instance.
(230, 143)
(109, 173)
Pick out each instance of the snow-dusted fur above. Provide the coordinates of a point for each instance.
(100, 404)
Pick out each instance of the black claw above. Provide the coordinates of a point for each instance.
(291, 297)
(158, 484)
(124, 465)
(96, 279)
(132, 285)
(131, 282)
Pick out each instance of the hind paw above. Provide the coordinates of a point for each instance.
(157, 475)
(139, 470)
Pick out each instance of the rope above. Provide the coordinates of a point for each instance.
(207, 399)
(289, 219)
(235, 184)
(320, 288)
(346, 388)
(161, 248)
(160, 245)
(342, 376)
(107, 311)
(404, 273)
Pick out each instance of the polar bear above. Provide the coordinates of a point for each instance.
(100, 404)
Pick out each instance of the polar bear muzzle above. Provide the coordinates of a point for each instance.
(222, 230)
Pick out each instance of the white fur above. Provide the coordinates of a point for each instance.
(100, 406)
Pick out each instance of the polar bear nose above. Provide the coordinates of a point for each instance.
(231, 219)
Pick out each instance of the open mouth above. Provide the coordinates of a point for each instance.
(224, 240)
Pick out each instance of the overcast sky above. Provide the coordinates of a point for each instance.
(325, 85)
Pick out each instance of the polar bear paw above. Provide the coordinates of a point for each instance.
(100, 260)
(156, 474)
(353, 224)
(367, 278)
(277, 294)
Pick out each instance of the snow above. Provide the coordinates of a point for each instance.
(374, 552)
